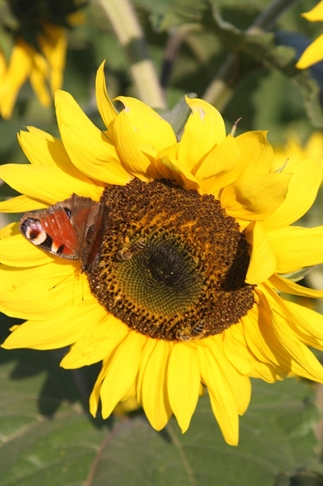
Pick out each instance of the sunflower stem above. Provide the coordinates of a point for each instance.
(123, 19)
(220, 89)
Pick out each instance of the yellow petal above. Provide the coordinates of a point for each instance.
(95, 395)
(296, 247)
(88, 148)
(294, 318)
(266, 372)
(53, 44)
(240, 385)
(183, 383)
(217, 169)
(121, 372)
(312, 54)
(289, 287)
(48, 184)
(20, 204)
(104, 335)
(261, 340)
(302, 191)
(315, 14)
(177, 171)
(53, 333)
(16, 251)
(307, 321)
(203, 130)
(262, 259)
(39, 77)
(48, 291)
(151, 388)
(105, 106)
(255, 198)
(303, 361)
(136, 128)
(256, 153)
(10, 229)
(3, 66)
(147, 126)
(235, 348)
(42, 149)
(222, 400)
(170, 153)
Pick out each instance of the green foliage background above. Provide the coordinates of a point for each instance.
(48, 437)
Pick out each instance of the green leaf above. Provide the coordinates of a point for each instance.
(178, 115)
(68, 447)
(252, 48)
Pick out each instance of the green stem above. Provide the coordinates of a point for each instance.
(220, 89)
(131, 37)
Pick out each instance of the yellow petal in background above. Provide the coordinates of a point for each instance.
(39, 77)
(204, 129)
(183, 383)
(312, 54)
(16, 74)
(53, 43)
(315, 14)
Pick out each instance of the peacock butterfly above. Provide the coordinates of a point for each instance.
(71, 229)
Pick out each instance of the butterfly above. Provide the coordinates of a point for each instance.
(72, 229)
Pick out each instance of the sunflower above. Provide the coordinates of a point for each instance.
(39, 42)
(314, 52)
(182, 295)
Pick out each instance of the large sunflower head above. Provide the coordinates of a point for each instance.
(183, 250)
